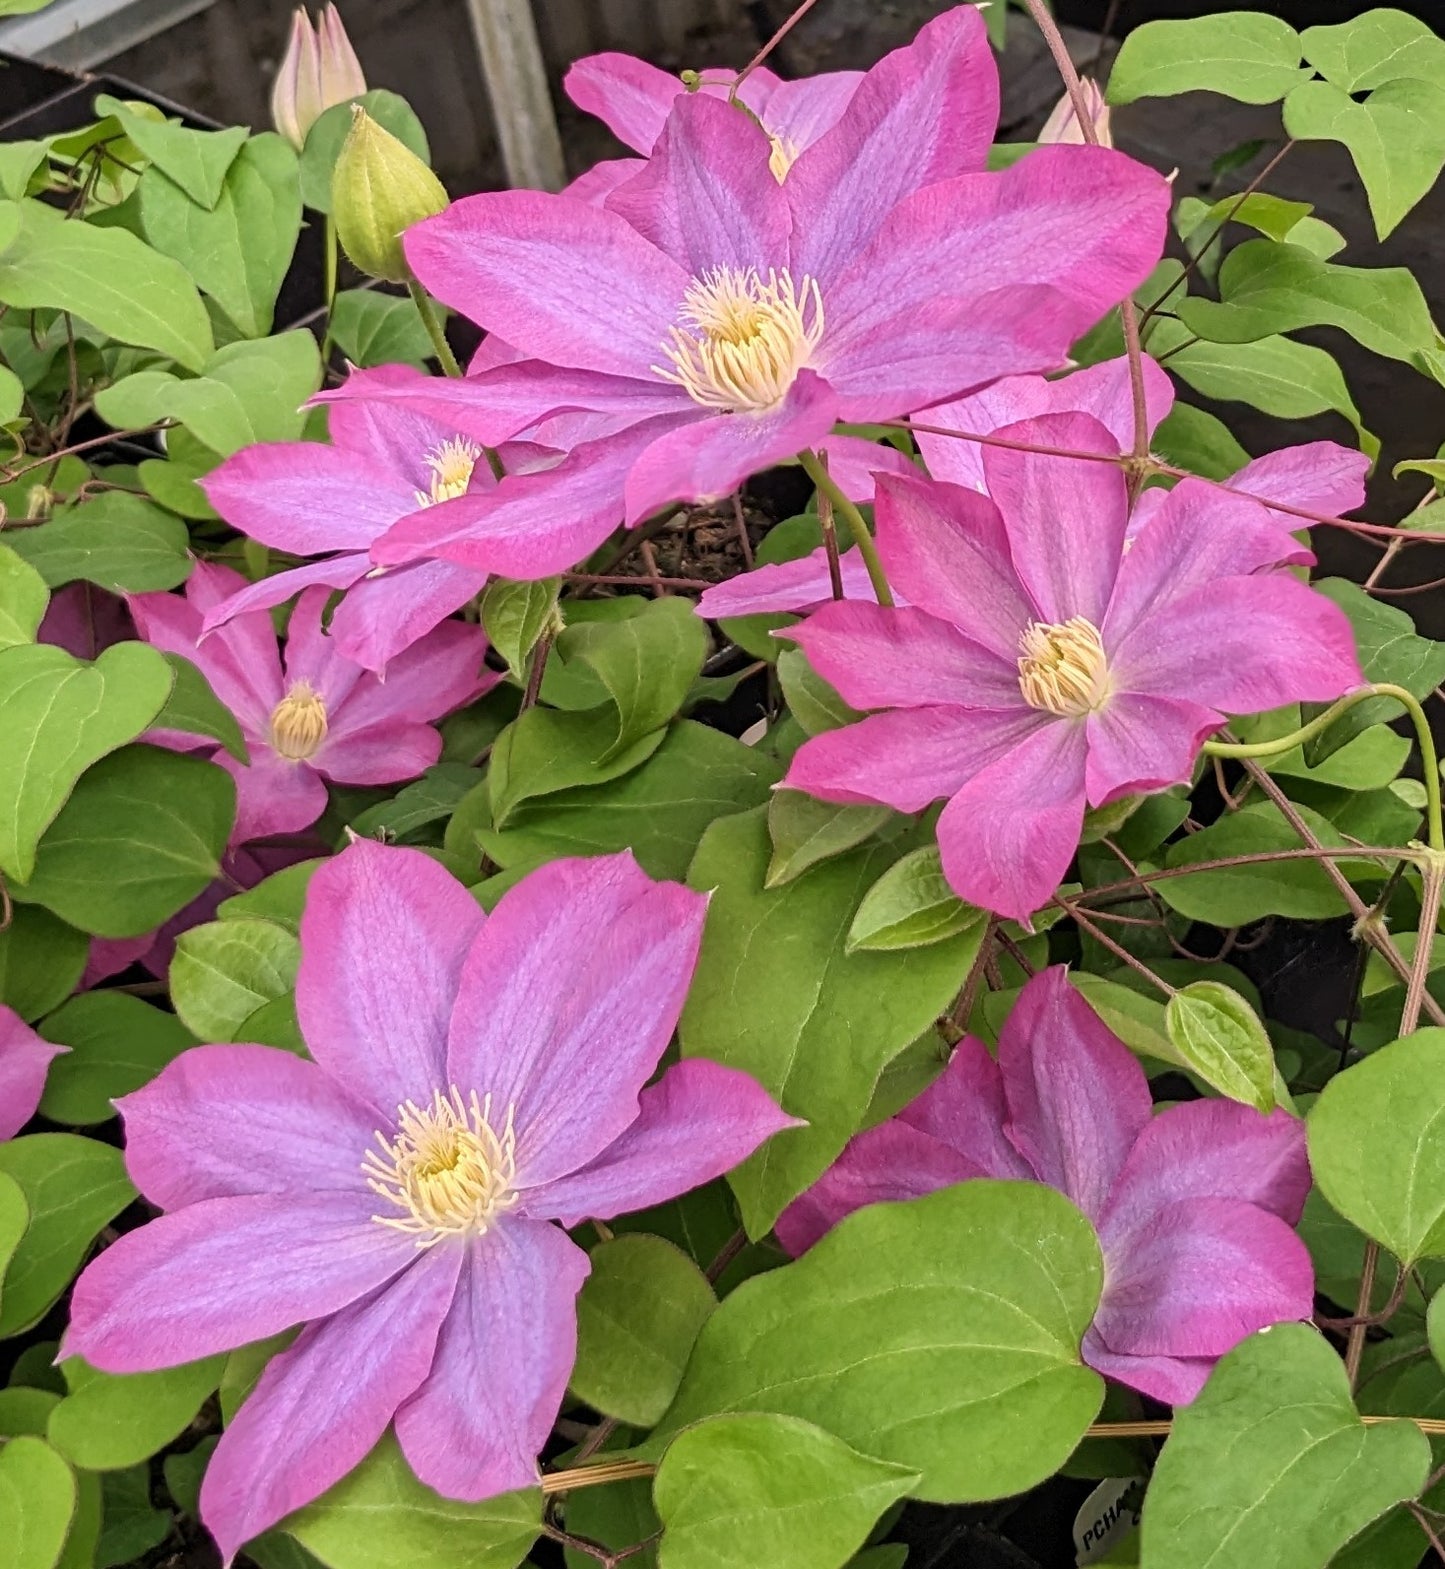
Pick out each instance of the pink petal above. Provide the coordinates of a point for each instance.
(923, 113)
(225, 1272)
(379, 754)
(878, 657)
(1212, 1149)
(706, 196)
(1193, 534)
(800, 585)
(221, 1121)
(880, 1166)
(1077, 1097)
(312, 655)
(571, 284)
(429, 678)
(630, 97)
(1198, 1276)
(1243, 645)
(1009, 833)
(1065, 517)
(274, 795)
(910, 757)
(799, 112)
(947, 550)
(384, 615)
(1320, 476)
(1144, 743)
(475, 1427)
(1102, 390)
(965, 1108)
(705, 460)
(698, 1121)
(306, 497)
(1174, 1380)
(333, 572)
(568, 1000)
(596, 184)
(323, 1403)
(854, 464)
(24, 1061)
(384, 935)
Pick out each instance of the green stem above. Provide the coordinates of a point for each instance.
(432, 322)
(819, 475)
(1430, 764)
(331, 265)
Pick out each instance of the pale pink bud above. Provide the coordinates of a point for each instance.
(1063, 124)
(320, 69)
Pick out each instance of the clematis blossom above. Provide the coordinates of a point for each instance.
(25, 1058)
(314, 715)
(726, 321)
(385, 461)
(1042, 665)
(477, 1084)
(1194, 1207)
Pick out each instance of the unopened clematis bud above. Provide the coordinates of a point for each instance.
(1063, 124)
(320, 70)
(379, 189)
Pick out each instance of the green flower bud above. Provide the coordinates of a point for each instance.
(378, 190)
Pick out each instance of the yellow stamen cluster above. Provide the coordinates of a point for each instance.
(298, 723)
(1063, 669)
(783, 156)
(451, 466)
(749, 338)
(446, 1170)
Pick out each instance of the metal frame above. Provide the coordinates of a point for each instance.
(80, 34)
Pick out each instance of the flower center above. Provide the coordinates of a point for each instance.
(447, 1171)
(745, 339)
(451, 466)
(298, 723)
(784, 154)
(1063, 669)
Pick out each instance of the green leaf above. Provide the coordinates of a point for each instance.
(1376, 1148)
(514, 616)
(112, 1420)
(1219, 1035)
(805, 831)
(1276, 375)
(1272, 216)
(23, 598)
(41, 961)
(434, 796)
(250, 392)
(279, 898)
(1396, 138)
(638, 1318)
(239, 252)
(133, 1525)
(194, 708)
(1270, 1467)
(659, 810)
(776, 995)
(225, 970)
(117, 1043)
(372, 328)
(911, 906)
(110, 279)
(1242, 54)
(941, 1334)
(58, 716)
(196, 160)
(323, 142)
(12, 397)
(813, 702)
(38, 1502)
(121, 542)
(738, 1491)
(1369, 50)
(14, 1222)
(1435, 1327)
(1267, 288)
(380, 1517)
(73, 1187)
(1191, 439)
(645, 661)
(546, 750)
(19, 160)
(141, 836)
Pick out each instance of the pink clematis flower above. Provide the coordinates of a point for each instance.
(24, 1060)
(385, 460)
(1044, 665)
(319, 715)
(727, 320)
(1193, 1207)
(477, 1085)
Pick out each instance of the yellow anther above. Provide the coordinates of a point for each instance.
(298, 723)
(1063, 669)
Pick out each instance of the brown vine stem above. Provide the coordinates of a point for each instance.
(772, 44)
(1432, 1426)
